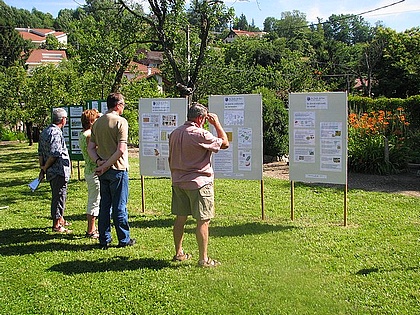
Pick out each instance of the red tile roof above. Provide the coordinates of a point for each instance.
(38, 35)
(141, 71)
(39, 56)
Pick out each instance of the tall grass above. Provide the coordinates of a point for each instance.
(312, 265)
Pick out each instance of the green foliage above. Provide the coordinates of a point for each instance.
(12, 45)
(398, 72)
(9, 135)
(132, 92)
(275, 124)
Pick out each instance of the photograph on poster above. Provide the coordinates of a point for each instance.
(149, 120)
(75, 145)
(66, 131)
(75, 123)
(164, 134)
(75, 133)
(169, 120)
(76, 111)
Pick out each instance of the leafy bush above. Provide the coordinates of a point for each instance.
(9, 135)
(275, 124)
(378, 142)
(413, 142)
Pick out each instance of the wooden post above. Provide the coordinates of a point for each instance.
(345, 203)
(78, 170)
(262, 200)
(142, 193)
(292, 200)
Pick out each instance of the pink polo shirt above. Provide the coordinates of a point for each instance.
(190, 150)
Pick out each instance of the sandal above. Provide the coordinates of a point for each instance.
(209, 263)
(182, 257)
(93, 235)
(61, 229)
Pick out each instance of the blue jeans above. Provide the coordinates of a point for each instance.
(114, 197)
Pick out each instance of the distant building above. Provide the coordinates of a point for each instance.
(43, 56)
(151, 58)
(233, 34)
(38, 36)
(138, 71)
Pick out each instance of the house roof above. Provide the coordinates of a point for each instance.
(151, 57)
(39, 56)
(38, 35)
(247, 33)
(238, 33)
(141, 71)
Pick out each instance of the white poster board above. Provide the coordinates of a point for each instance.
(158, 117)
(318, 137)
(241, 118)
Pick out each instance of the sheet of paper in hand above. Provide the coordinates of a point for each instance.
(34, 184)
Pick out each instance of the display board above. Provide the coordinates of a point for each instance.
(72, 129)
(100, 105)
(158, 117)
(241, 118)
(318, 137)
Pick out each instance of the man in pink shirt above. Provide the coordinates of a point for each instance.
(190, 150)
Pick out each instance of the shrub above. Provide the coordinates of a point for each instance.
(9, 135)
(378, 142)
(275, 124)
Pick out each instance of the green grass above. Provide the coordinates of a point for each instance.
(312, 265)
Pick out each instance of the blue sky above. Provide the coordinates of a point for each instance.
(397, 14)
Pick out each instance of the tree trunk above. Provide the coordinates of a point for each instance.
(29, 134)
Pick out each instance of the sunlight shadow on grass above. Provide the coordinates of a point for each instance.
(29, 249)
(119, 263)
(15, 242)
(253, 228)
(368, 271)
(25, 235)
(146, 223)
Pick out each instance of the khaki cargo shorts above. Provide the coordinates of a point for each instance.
(198, 202)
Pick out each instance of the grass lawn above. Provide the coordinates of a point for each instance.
(312, 265)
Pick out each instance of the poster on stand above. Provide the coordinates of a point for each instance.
(318, 137)
(157, 119)
(241, 118)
